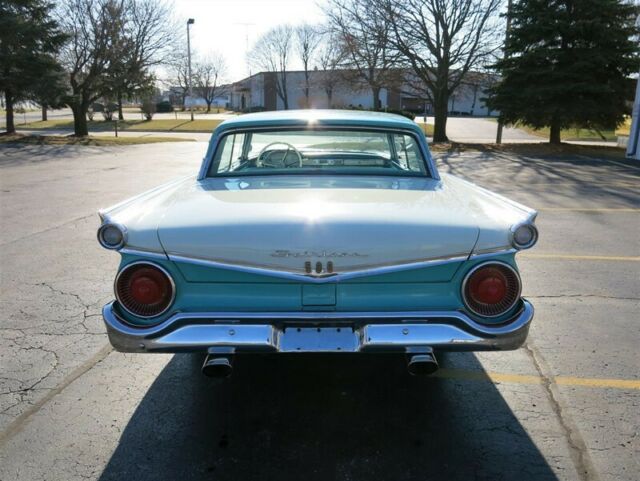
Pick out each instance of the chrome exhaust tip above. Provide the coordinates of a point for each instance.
(217, 366)
(422, 364)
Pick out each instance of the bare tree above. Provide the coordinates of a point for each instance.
(271, 53)
(179, 74)
(111, 46)
(94, 28)
(443, 40)
(330, 57)
(365, 35)
(308, 38)
(145, 42)
(209, 74)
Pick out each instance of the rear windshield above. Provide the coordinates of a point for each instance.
(350, 152)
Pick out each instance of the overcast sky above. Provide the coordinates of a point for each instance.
(218, 25)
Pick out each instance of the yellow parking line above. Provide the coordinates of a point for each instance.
(570, 257)
(496, 377)
(584, 209)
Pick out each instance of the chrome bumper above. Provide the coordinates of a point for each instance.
(318, 332)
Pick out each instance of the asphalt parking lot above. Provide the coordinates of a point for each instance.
(566, 406)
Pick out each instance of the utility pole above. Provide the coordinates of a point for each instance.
(506, 39)
(190, 22)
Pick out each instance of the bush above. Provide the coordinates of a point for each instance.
(164, 107)
(257, 108)
(109, 110)
(148, 108)
(404, 113)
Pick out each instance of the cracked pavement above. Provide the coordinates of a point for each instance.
(71, 408)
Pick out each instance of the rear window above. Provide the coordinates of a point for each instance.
(358, 152)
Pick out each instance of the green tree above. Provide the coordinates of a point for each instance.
(29, 41)
(566, 64)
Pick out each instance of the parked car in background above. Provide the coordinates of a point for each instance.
(317, 231)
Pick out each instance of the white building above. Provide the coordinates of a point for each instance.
(259, 92)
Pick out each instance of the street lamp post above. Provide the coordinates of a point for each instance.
(191, 21)
(506, 38)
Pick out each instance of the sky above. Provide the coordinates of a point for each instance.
(220, 25)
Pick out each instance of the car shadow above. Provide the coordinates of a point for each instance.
(338, 417)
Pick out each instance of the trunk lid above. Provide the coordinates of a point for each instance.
(283, 223)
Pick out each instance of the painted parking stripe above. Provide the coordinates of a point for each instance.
(570, 257)
(496, 377)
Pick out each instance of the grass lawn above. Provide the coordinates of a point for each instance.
(160, 125)
(625, 128)
(574, 134)
(68, 140)
(568, 134)
(426, 128)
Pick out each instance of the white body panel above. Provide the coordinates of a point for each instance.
(280, 222)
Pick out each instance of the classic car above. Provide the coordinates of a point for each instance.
(317, 231)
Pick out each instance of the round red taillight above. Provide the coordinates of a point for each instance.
(491, 289)
(144, 290)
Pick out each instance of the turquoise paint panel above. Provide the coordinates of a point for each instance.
(396, 297)
(441, 273)
(319, 295)
(198, 273)
(419, 289)
(239, 297)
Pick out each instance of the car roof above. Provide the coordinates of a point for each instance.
(303, 118)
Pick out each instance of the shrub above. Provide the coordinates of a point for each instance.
(148, 108)
(257, 108)
(109, 110)
(164, 106)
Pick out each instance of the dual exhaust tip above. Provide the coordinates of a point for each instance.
(218, 366)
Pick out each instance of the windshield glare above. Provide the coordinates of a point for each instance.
(318, 152)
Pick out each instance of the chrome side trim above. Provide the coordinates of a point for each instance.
(365, 331)
(496, 251)
(144, 253)
(319, 280)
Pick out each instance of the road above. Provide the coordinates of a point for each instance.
(563, 407)
(480, 130)
(459, 129)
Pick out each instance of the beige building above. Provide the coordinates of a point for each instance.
(259, 92)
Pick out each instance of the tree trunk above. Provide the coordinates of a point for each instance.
(209, 106)
(329, 97)
(120, 114)
(306, 87)
(285, 96)
(44, 112)
(554, 133)
(8, 100)
(80, 119)
(440, 104)
(376, 97)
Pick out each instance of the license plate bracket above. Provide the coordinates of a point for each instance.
(319, 339)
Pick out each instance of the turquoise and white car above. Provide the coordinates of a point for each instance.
(317, 231)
